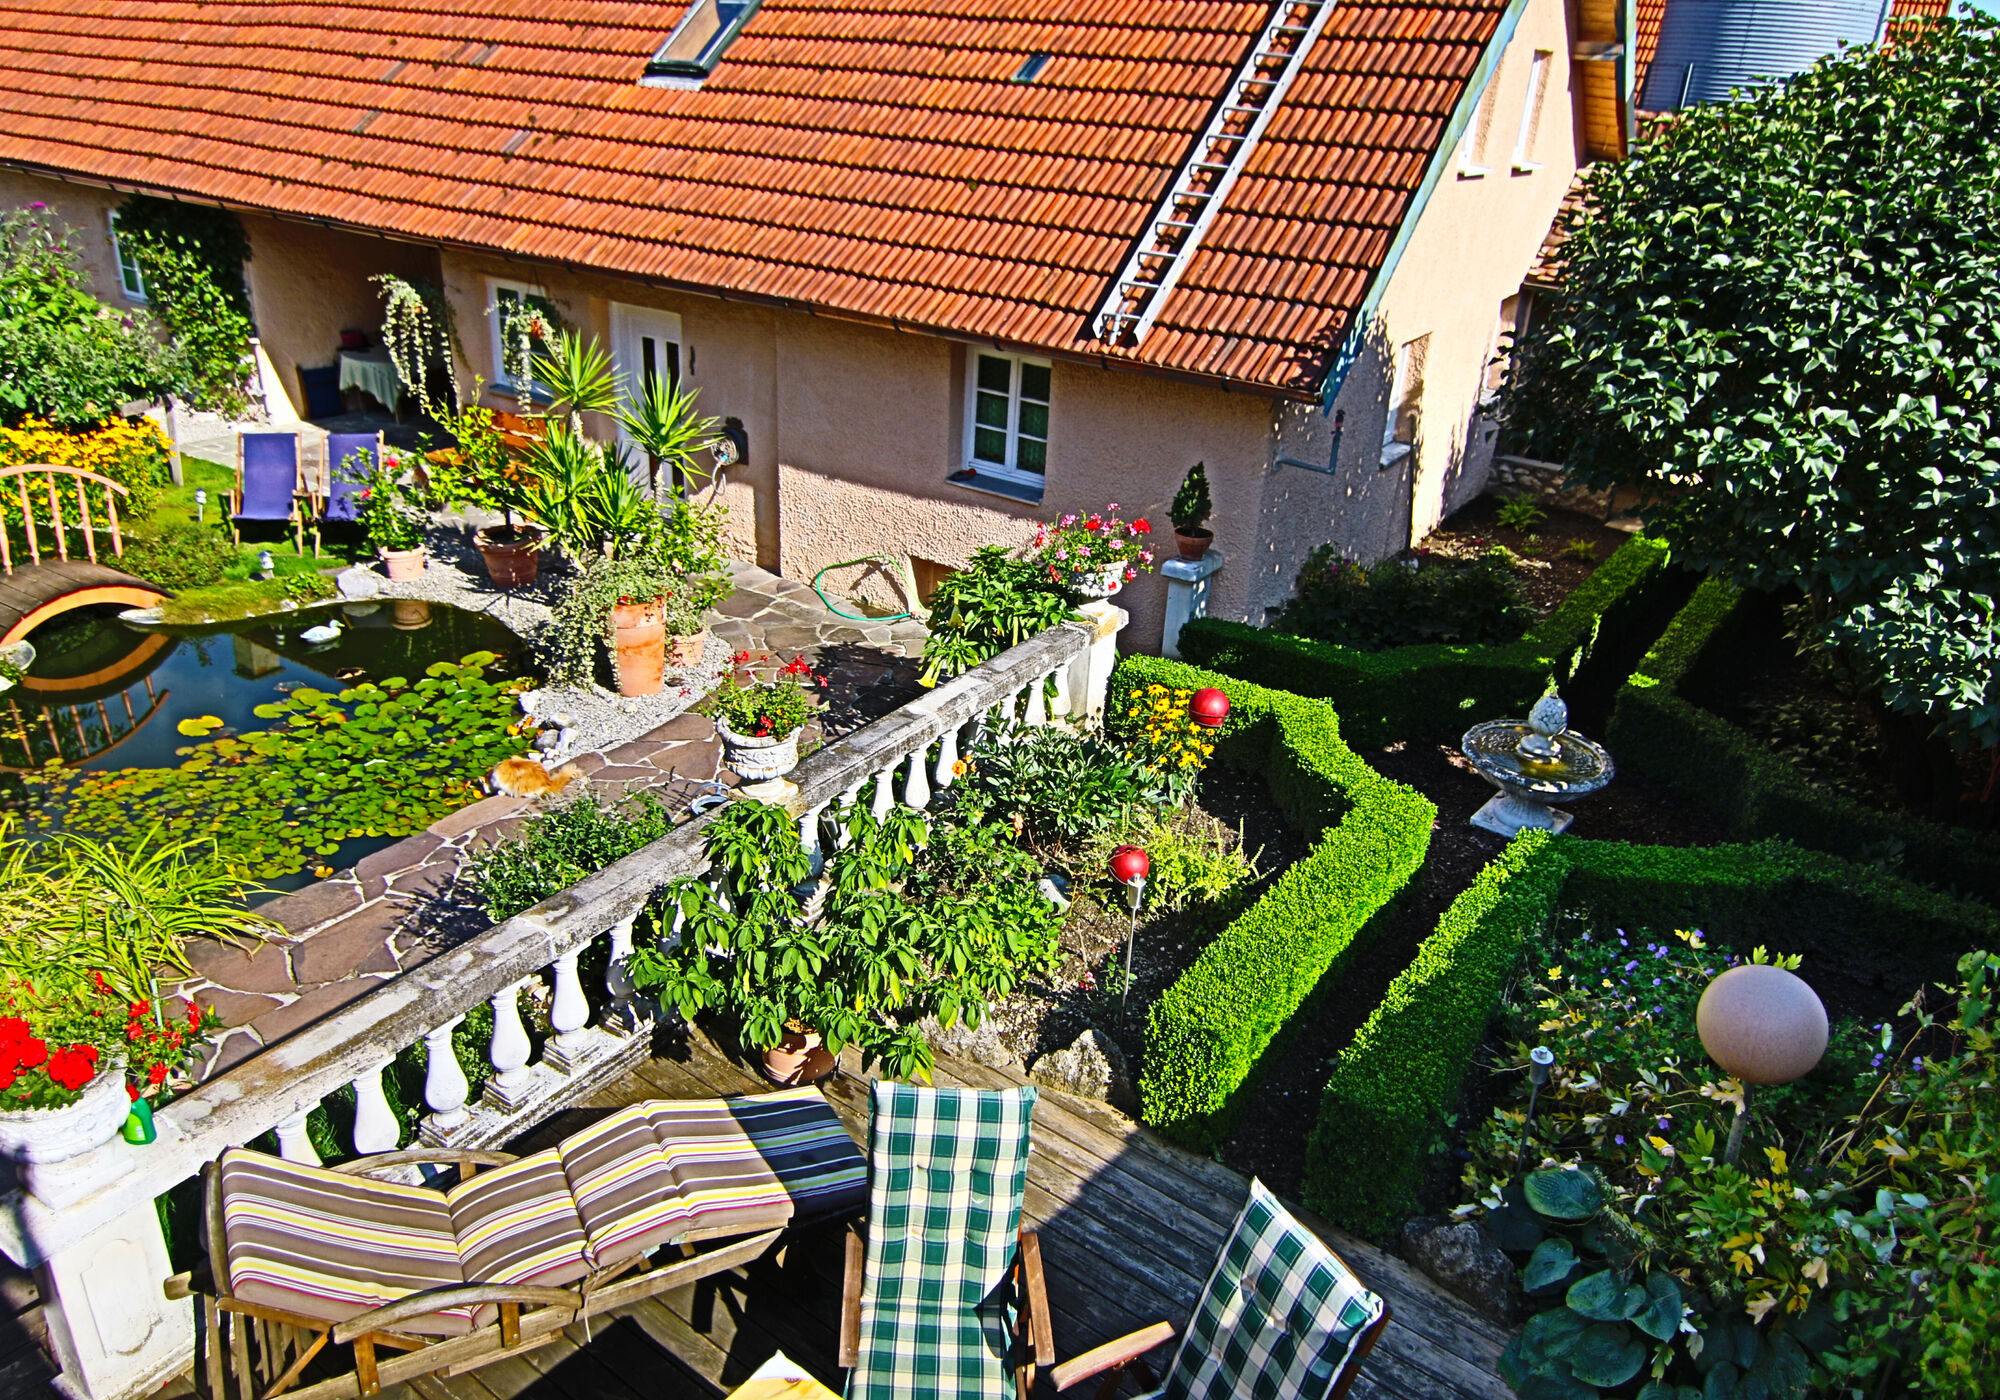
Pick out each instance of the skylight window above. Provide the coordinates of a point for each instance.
(696, 45)
(1032, 69)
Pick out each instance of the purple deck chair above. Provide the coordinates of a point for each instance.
(267, 483)
(350, 459)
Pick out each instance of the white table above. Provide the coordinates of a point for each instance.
(373, 373)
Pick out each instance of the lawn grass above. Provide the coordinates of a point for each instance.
(177, 507)
(229, 601)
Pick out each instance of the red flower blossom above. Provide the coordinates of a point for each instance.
(157, 1075)
(194, 1016)
(1140, 527)
(12, 1028)
(73, 1066)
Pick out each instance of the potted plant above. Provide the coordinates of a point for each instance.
(1190, 511)
(492, 477)
(390, 521)
(682, 614)
(760, 720)
(616, 602)
(1093, 556)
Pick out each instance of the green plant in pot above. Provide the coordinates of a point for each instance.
(860, 958)
(1190, 511)
(392, 523)
(616, 602)
(759, 709)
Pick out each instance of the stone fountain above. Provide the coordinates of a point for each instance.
(1534, 763)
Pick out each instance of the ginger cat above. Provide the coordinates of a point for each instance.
(523, 777)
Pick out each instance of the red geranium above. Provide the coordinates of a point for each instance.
(73, 1066)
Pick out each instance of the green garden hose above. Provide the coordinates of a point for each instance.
(891, 561)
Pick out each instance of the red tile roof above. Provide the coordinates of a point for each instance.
(867, 157)
(1646, 41)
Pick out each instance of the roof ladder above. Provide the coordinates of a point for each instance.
(1201, 186)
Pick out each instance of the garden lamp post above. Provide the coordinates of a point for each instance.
(1541, 1060)
(1763, 1025)
(1130, 867)
(200, 505)
(266, 564)
(1208, 708)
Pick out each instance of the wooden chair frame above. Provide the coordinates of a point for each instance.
(267, 1349)
(1115, 1358)
(301, 486)
(1034, 1339)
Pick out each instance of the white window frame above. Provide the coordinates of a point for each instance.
(494, 287)
(978, 465)
(134, 286)
(1472, 149)
(1531, 112)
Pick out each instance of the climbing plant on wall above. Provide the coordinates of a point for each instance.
(192, 257)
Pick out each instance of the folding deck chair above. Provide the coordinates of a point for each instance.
(303, 1257)
(267, 484)
(945, 1301)
(350, 459)
(1281, 1315)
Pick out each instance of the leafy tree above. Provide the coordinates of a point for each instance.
(1780, 322)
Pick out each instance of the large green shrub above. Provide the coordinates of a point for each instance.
(1433, 689)
(1715, 765)
(1207, 1032)
(1403, 1072)
(1392, 604)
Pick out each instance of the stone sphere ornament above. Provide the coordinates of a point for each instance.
(1762, 1024)
(1209, 708)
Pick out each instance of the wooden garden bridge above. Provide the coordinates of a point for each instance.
(51, 581)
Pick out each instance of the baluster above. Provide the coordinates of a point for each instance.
(375, 1125)
(947, 759)
(509, 1052)
(618, 972)
(569, 1012)
(1038, 704)
(846, 810)
(1006, 709)
(916, 790)
(809, 838)
(445, 1086)
(1065, 702)
(884, 794)
(293, 1144)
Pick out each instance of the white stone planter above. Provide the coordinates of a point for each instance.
(758, 760)
(33, 1135)
(1092, 588)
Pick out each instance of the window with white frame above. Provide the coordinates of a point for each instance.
(131, 280)
(504, 302)
(1007, 417)
(1531, 112)
(1406, 394)
(1472, 149)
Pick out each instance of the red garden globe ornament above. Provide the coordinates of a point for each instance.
(1129, 865)
(1209, 708)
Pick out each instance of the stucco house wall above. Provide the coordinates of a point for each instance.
(85, 209)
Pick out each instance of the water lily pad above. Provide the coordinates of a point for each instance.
(199, 726)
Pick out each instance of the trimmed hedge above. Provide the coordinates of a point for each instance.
(1712, 764)
(1419, 690)
(1207, 1032)
(1407, 1065)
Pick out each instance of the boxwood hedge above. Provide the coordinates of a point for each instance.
(1406, 1067)
(1404, 692)
(1712, 764)
(1207, 1032)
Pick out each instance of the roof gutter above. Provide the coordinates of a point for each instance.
(1097, 358)
(1442, 157)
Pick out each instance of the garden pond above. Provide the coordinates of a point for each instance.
(294, 756)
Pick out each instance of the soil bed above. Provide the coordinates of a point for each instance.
(1546, 573)
(1048, 1014)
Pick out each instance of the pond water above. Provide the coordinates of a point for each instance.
(103, 695)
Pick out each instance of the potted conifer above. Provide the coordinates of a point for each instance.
(1190, 511)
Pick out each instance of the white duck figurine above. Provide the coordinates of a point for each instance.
(320, 635)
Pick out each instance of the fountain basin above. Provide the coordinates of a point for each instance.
(1532, 770)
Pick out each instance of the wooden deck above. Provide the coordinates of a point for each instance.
(1130, 1226)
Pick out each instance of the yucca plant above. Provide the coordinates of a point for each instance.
(663, 424)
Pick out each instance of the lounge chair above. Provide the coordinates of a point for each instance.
(267, 484)
(1280, 1315)
(945, 1301)
(350, 460)
(301, 1257)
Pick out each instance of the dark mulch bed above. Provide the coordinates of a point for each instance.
(1547, 574)
(1271, 1143)
(1049, 1014)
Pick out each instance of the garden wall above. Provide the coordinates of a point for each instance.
(1406, 1068)
(1403, 692)
(1712, 764)
(1207, 1032)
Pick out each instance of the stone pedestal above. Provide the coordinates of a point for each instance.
(1507, 815)
(114, 1332)
(1187, 596)
(1090, 673)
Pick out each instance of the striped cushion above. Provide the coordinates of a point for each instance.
(1280, 1316)
(519, 1224)
(754, 1163)
(624, 1186)
(329, 1246)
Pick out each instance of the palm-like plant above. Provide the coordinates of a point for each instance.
(579, 377)
(663, 424)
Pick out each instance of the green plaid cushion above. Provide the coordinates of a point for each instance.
(1279, 1318)
(947, 1170)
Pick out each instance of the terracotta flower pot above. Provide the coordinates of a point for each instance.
(1193, 543)
(410, 614)
(799, 1058)
(640, 648)
(403, 564)
(683, 652)
(512, 560)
